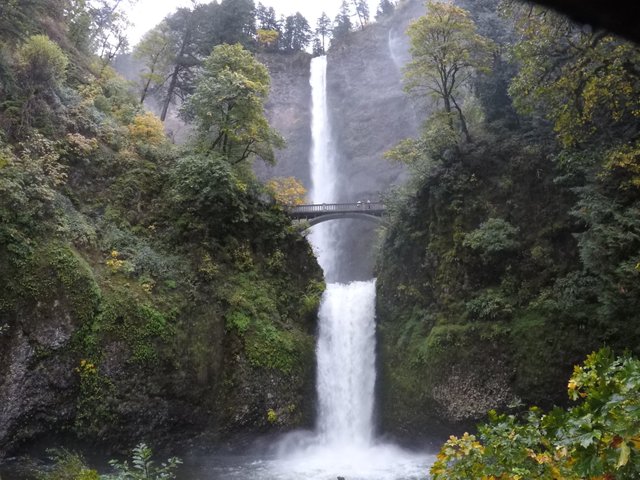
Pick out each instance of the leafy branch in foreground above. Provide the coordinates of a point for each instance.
(598, 439)
(142, 467)
(72, 466)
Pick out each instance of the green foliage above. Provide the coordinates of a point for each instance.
(272, 416)
(342, 23)
(208, 195)
(597, 438)
(142, 466)
(18, 18)
(94, 406)
(490, 305)
(385, 9)
(156, 51)
(41, 62)
(46, 272)
(67, 466)
(446, 51)
(493, 237)
(28, 188)
(268, 337)
(272, 347)
(296, 33)
(583, 81)
(140, 325)
(228, 106)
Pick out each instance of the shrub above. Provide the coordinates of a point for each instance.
(67, 466)
(490, 305)
(597, 438)
(42, 63)
(142, 466)
(495, 236)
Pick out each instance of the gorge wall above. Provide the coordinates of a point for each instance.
(369, 112)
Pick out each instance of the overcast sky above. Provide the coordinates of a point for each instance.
(146, 14)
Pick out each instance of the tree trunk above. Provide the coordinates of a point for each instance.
(144, 90)
(172, 87)
(463, 121)
(447, 108)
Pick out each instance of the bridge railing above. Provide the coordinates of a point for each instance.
(322, 208)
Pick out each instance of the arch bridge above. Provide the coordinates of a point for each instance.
(322, 212)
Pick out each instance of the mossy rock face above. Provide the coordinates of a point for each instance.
(451, 377)
(44, 302)
(114, 363)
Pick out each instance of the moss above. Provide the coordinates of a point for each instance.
(140, 325)
(94, 403)
(52, 274)
(270, 347)
(544, 350)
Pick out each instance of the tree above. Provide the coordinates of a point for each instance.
(446, 52)
(228, 106)
(581, 79)
(269, 28)
(266, 18)
(183, 25)
(235, 22)
(323, 30)
(17, 18)
(268, 39)
(154, 50)
(41, 67)
(297, 33)
(287, 191)
(361, 8)
(342, 23)
(317, 49)
(108, 31)
(385, 9)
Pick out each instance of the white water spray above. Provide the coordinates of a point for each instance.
(394, 43)
(346, 364)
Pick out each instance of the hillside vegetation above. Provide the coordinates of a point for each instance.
(146, 291)
(514, 250)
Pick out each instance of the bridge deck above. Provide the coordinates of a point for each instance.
(302, 212)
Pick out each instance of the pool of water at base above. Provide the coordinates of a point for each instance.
(315, 462)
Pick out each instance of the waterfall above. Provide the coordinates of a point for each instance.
(346, 363)
(394, 43)
(346, 340)
(343, 444)
(323, 168)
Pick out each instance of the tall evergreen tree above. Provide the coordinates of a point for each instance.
(323, 31)
(361, 8)
(266, 18)
(183, 25)
(385, 9)
(296, 34)
(317, 47)
(236, 22)
(342, 23)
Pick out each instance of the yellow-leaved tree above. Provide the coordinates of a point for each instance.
(287, 191)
